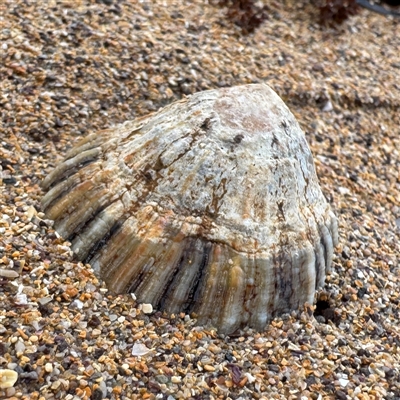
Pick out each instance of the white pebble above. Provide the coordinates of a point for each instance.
(8, 377)
(250, 377)
(79, 304)
(21, 299)
(343, 382)
(147, 308)
(139, 349)
(19, 347)
(48, 367)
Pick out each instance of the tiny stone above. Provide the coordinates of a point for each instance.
(55, 385)
(328, 106)
(147, 308)
(139, 349)
(8, 378)
(45, 300)
(19, 347)
(103, 387)
(78, 304)
(10, 392)
(250, 377)
(97, 394)
(341, 395)
(176, 379)
(214, 349)
(8, 273)
(162, 379)
(48, 367)
(389, 372)
(343, 382)
(21, 299)
(96, 332)
(367, 252)
(30, 375)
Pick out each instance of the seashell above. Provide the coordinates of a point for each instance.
(211, 206)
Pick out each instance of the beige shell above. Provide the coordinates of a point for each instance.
(8, 377)
(211, 205)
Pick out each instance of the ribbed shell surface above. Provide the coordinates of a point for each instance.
(211, 205)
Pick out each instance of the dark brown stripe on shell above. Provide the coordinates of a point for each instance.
(85, 223)
(102, 242)
(195, 257)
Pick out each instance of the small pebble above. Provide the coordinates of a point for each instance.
(33, 338)
(147, 308)
(48, 367)
(8, 273)
(8, 378)
(140, 349)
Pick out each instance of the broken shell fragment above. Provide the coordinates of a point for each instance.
(211, 205)
(8, 377)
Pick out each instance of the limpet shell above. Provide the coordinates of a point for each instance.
(211, 205)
